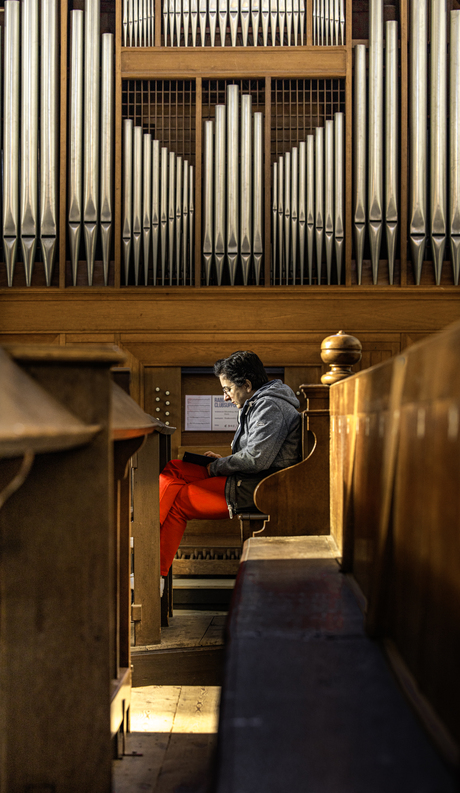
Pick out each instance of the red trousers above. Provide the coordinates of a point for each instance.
(186, 492)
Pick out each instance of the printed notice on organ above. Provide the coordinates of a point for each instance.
(209, 413)
(198, 413)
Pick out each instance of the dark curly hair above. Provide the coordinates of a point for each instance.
(241, 366)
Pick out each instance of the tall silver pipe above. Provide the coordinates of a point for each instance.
(107, 126)
(255, 16)
(314, 22)
(213, 21)
(418, 82)
(194, 20)
(234, 14)
(273, 20)
(155, 206)
(137, 199)
(265, 21)
(294, 209)
(185, 234)
(331, 23)
(164, 211)
(178, 17)
(10, 252)
(337, 21)
(289, 12)
(454, 143)
(203, 5)
(232, 179)
(172, 19)
(29, 246)
(246, 184)
(219, 190)
(179, 172)
(91, 112)
(391, 143)
(147, 203)
(223, 14)
(11, 129)
(274, 221)
(91, 131)
(281, 19)
(319, 198)
(131, 24)
(302, 21)
(171, 212)
(280, 219)
(329, 195)
(245, 12)
(49, 126)
(128, 192)
(310, 204)
(438, 132)
(295, 21)
(326, 22)
(321, 23)
(359, 157)
(125, 23)
(339, 199)
(208, 197)
(375, 127)
(258, 202)
(342, 21)
(165, 20)
(75, 182)
(136, 21)
(186, 19)
(302, 207)
(287, 214)
(191, 213)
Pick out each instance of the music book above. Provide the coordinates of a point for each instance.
(197, 459)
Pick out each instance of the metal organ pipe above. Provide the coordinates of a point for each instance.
(258, 246)
(156, 155)
(418, 132)
(91, 130)
(49, 135)
(147, 204)
(302, 205)
(454, 142)
(232, 180)
(29, 135)
(359, 157)
(294, 210)
(319, 198)
(339, 202)
(107, 127)
(438, 133)
(375, 116)
(127, 194)
(391, 143)
(138, 145)
(11, 138)
(219, 191)
(208, 199)
(310, 207)
(329, 196)
(246, 186)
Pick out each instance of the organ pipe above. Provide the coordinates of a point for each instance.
(391, 143)
(375, 126)
(107, 128)
(11, 138)
(454, 143)
(359, 157)
(418, 82)
(438, 133)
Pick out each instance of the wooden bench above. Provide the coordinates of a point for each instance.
(341, 647)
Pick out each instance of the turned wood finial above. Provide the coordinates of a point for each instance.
(340, 352)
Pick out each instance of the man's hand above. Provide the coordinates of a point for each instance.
(213, 454)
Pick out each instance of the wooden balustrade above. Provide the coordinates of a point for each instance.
(395, 515)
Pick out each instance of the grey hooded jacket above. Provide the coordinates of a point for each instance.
(267, 439)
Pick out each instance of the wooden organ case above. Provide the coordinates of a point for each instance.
(178, 274)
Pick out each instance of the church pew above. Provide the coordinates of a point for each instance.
(55, 570)
(139, 449)
(310, 701)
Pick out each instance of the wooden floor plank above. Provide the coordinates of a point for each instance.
(174, 734)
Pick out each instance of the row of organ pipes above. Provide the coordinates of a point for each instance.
(138, 23)
(30, 149)
(158, 211)
(308, 208)
(233, 191)
(376, 159)
(90, 140)
(199, 22)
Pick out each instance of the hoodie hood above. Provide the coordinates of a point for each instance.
(276, 389)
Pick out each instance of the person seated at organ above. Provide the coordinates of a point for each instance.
(267, 439)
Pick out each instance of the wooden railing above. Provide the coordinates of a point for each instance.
(395, 515)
